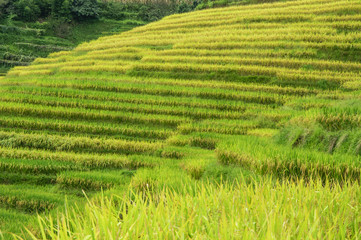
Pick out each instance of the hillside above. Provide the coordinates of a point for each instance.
(22, 42)
(246, 93)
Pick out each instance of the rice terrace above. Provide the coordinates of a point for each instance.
(239, 120)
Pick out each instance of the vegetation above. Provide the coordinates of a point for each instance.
(236, 122)
(31, 29)
(262, 211)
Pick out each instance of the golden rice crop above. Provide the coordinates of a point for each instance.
(195, 96)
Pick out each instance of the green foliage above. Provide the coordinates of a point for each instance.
(153, 12)
(116, 11)
(61, 10)
(27, 10)
(4, 8)
(184, 7)
(45, 7)
(84, 9)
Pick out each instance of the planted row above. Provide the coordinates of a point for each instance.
(87, 160)
(83, 114)
(268, 158)
(94, 180)
(83, 127)
(75, 144)
(197, 113)
(172, 101)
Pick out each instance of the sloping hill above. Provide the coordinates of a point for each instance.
(21, 43)
(190, 93)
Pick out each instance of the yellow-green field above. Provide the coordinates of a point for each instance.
(232, 123)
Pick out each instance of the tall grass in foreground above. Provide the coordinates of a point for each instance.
(262, 210)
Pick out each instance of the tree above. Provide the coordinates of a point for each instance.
(85, 9)
(27, 10)
(4, 6)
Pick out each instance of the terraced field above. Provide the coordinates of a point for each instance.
(265, 89)
(21, 43)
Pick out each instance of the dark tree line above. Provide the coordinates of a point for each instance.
(80, 10)
(32, 10)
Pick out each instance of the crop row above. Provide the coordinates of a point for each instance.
(195, 28)
(286, 53)
(339, 121)
(92, 160)
(251, 83)
(196, 113)
(251, 120)
(269, 158)
(113, 130)
(240, 30)
(75, 144)
(218, 45)
(268, 62)
(215, 128)
(8, 178)
(94, 180)
(279, 72)
(327, 28)
(16, 71)
(113, 55)
(235, 36)
(36, 167)
(78, 113)
(227, 105)
(310, 38)
(215, 35)
(187, 43)
(65, 64)
(28, 198)
(135, 88)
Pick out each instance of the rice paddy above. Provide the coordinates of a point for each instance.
(226, 123)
